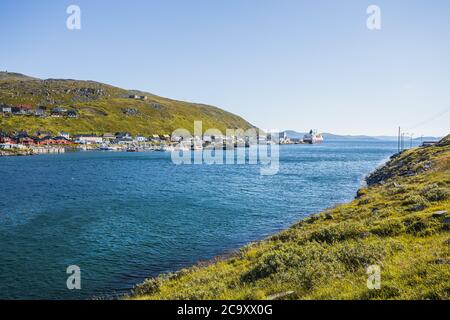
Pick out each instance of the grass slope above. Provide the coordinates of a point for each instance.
(392, 223)
(101, 106)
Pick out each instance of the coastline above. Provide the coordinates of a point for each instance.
(16, 153)
(341, 241)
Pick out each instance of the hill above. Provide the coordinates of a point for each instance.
(104, 108)
(12, 76)
(400, 223)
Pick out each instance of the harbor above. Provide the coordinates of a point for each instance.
(23, 143)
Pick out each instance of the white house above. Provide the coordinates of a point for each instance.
(141, 139)
(6, 109)
(65, 135)
(89, 139)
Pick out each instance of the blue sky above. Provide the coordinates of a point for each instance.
(280, 64)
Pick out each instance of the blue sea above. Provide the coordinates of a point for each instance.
(123, 217)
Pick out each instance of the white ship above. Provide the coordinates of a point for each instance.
(313, 137)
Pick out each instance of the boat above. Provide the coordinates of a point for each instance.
(168, 148)
(105, 147)
(313, 137)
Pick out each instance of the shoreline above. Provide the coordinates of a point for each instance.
(16, 153)
(234, 253)
(379, 218)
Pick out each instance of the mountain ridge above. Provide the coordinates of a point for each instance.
(104, 108)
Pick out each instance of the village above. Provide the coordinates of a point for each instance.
(25, 143)
(44, 142)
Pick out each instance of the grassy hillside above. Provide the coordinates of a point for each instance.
(400, 222)
(101, 108)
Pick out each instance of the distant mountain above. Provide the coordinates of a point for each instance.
(335, 137)
(428, 139)
(102, 108)
(330, 136)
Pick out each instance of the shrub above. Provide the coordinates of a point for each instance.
(434, 193)
(148, 287)
(338, 233)
(271, 263)
(422, 227)
(415, 203)
(385, 293)
(360, 255)
(389, 228)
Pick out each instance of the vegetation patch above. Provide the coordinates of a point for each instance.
(400, 223)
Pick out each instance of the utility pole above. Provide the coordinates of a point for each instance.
(403, 142)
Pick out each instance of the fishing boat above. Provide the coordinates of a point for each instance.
(313, 137)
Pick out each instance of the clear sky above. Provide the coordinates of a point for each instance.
(280, 64)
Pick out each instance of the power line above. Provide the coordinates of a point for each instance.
(437, 116)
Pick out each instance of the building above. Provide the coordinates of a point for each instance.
(141, 139)
(58, 112)
(48, 140)
(65, 135)
(60, 140)
(39, 112)
(122, 135)
(108, 137)
(23, 109)
(24, 138)
(136, 97)
(5, 108)
(42, 134)
(123, 141)
(88, 139)
(5, 138)
(72, 114)
(429, 143)
(165, 137)
(155, 138)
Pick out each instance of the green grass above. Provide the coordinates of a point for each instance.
(391, 224)
(100, 109)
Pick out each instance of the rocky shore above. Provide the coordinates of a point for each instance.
(16, 152)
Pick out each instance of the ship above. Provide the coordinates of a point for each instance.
(313, 137)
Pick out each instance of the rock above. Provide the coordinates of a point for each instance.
(417, 208)
(364, 235)
(441, 261)
(280, 295)
(439, 214)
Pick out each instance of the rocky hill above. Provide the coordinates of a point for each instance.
(399, 224)
(103, 108)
